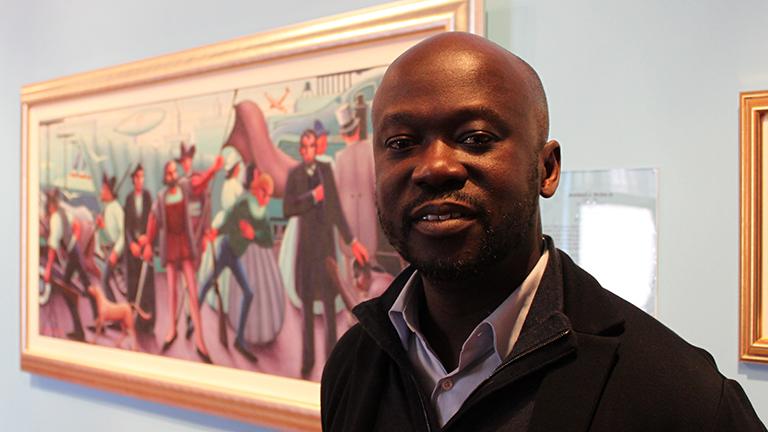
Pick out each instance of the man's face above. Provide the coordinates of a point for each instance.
(170, 175)
(456, 153)
(308, 149)
(262, 191)
(51, 208)
(138, 180)
(353, 137)
(322, 143)
(106, 194)
(186, 164)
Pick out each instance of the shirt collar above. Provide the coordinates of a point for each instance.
(505, 322)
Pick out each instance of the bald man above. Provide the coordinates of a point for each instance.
(491, 327)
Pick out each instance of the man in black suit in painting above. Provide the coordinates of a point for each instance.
(311, 195)
(137, 207)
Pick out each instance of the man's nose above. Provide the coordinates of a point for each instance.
(440, 167)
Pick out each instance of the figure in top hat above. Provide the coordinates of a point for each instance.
(310, 194)
(355, 182)
(138, 204)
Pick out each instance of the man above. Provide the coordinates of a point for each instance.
(355, 183)
(247, 222)
(492, 328)
(64, 234)
(199, 200)
(137, 208)
(310, 194)
(111, 239)
(361, 114)
(171, 222)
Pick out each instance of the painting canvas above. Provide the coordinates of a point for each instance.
(198, 226)
(104, 176)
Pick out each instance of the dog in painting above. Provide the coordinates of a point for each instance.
(108, 311)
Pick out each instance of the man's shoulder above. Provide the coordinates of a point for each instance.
(650, 357)
(641, 335)
(324, 166)
(654, 370)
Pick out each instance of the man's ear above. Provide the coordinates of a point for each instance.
(549, 166)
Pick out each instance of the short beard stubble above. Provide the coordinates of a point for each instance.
(513, 229)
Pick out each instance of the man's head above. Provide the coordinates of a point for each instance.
(137, 176)
(107, 188)
(263, 187)
(186, 154)
(461, 153)
(170, 174)
(322, 136)
(308, 146)
(232, 165)
(349, 125)
(51, 201)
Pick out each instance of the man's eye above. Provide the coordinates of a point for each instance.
(399, 143)
(477, 139)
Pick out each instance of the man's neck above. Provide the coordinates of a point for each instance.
(453, 308)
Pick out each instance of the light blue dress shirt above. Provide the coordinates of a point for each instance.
(483, 351)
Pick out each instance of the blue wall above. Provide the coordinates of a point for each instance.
(631, 84)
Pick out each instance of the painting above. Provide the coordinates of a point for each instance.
(753, 316)
(197, 227)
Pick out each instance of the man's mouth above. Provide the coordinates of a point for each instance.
(442, 218)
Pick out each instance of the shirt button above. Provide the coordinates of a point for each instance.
(447, 384)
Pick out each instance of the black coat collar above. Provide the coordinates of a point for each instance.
(569, 303)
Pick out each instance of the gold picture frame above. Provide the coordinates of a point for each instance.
(353, 41)
(753, 325)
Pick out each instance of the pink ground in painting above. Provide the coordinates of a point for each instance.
(280, 357)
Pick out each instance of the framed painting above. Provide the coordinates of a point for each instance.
(753, 338)
(190, 222)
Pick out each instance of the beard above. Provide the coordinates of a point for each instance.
(513, 229)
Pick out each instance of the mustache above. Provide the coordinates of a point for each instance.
(458, 196)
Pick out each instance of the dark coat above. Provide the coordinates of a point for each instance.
(586, 360)
(134, 226)
(316, 223)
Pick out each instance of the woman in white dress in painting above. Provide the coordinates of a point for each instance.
(267, 310)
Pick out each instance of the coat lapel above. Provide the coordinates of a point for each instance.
(569, 394)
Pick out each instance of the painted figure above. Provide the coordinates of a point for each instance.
(310, 194)
(355, 183)
(111, 237)
(137, 208)
(231, 190)
(199, 199)
(246, 223)
(361, 114)
(63, 235)
(267, 310)
(171, 222)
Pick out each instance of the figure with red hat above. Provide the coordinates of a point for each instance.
(171, 221)
(199, 200)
